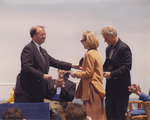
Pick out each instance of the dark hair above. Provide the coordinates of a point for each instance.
(75, 111)
(13, 113)
(33, 30)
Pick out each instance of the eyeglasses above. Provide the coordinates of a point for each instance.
(83, 40)
(42, 35)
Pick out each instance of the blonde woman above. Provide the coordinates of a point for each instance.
(90, 89)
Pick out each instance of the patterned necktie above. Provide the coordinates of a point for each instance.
(41, 53)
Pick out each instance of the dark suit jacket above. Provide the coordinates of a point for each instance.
(30, 81)
(67, 93)
(118, 85)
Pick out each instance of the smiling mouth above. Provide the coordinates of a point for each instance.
(43, 39)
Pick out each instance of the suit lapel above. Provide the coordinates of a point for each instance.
(38, 56)
(116, 50)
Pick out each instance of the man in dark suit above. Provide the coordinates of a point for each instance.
(64, 91)
(35, 62)
(118, 80)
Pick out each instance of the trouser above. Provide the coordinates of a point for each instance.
(116, 107)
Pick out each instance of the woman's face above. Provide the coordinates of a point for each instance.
(84, 42)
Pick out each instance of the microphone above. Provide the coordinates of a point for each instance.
(66, 75)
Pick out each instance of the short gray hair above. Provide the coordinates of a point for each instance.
(33, 30)
(108, 30)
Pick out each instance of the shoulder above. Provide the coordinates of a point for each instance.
(28, 48)
(122, 44)
(29, 45)
(92, 52)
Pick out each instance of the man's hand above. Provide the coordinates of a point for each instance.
(107, 75)
(47, 77)
(59, 83)
(77, 67)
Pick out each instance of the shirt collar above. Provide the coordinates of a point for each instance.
(37, 45)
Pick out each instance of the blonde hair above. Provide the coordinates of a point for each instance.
(108, 30)
(91, 39)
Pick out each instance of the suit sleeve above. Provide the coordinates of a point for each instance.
(89, 68)
(50, 90)
(59, 64)
(144, 97)
(27, 64)
(68, 92)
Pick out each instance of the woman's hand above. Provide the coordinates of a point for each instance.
(73, 74)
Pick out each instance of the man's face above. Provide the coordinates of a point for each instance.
(61, 73)
(109, 39)
(40, 36)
